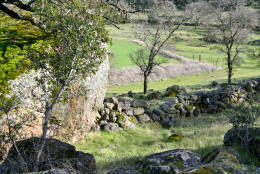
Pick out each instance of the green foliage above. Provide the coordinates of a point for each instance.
(243, 115)
(14, 36)
(74, 45)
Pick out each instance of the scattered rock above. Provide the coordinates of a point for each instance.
(111, 127)
(130, 94)
(214, 83)
(114, 100)
(220, 160)
(234, 135)
(56, 154)
(123, 121)
(176, 136)
(138, 111)
(168, 162)
(143, 118)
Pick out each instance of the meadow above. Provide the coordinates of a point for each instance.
(186, 42)
(123, 148)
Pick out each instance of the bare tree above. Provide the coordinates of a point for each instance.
(199, 11)
(233, 21)
(155, 36)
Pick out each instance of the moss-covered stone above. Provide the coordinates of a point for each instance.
(133, 120)
(220, 161)
(176, 136)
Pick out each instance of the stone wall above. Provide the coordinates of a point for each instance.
(175, 103)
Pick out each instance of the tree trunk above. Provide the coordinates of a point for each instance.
(145, 83)
(230, 69)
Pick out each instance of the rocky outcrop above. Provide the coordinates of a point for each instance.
(180, 161)
(71, 119)
(220, 160)
(56, 155)
(238, 136)
(169, 162)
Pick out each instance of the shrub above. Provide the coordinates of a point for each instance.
(243, 115)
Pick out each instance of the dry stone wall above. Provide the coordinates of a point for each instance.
(123, 111)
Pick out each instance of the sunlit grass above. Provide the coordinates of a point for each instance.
(121, 50)
(123, 148)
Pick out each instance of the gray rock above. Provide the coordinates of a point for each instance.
(114, 100)
(125, 107)
(130, 94)
(139, 104)
(55, 154)
(118, 108)
(143, 118)
(109, 105)
(155, 118)
(95, 128)
(123, 121)
(107, 111)
(159, 112)
(138, 111)
(111, 127)
(103, 123)
(113, 117)
(105, 117)
(130, 112)
(169, 162)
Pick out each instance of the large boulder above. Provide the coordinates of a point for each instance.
(237, 136)
(55, 154)
(74, 117)
(220, 161)
(169, 162)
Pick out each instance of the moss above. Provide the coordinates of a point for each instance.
(117, 113)
(120, 118)
(172, 93)
(132, 119)
(205, 170)
(177, 136)
(233, 100)
(240, 94)
(179, 164)
(190, 107)
(170, 157)
(179, 104)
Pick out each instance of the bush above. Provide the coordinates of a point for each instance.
(243, 115)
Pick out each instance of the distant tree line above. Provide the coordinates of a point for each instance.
(144, 4)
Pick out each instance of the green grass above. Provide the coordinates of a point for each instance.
(123, 148)
(186, 81)
(186, 43)
(121, 49)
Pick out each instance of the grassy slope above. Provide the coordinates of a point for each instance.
(121, 49)
(187, 43)
(123, 148)
(192, 80)
(113, 150)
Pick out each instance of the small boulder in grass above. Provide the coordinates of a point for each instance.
(176, 136)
